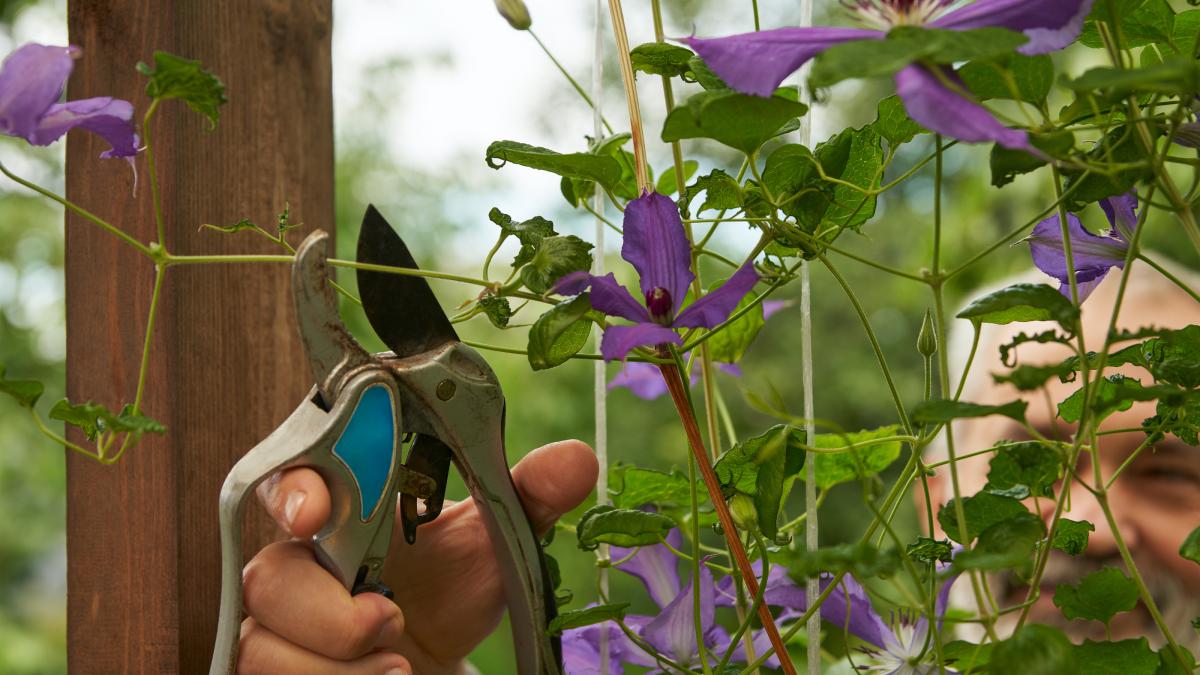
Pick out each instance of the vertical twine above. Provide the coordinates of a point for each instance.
(600, 397)
(811, 526)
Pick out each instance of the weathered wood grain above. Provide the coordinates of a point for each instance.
(226, 364)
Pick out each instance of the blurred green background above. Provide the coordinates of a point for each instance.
(386, 94)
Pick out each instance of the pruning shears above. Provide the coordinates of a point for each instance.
(382, 429)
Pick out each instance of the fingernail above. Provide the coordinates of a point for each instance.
(294, 501)
(396, 671)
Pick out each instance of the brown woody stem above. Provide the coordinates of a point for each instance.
(674, 380)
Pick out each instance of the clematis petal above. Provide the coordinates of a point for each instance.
(715, 307)
(613, 299)
(31, 80)
(573, 283)
(656, 566)
(656, 246)
(619, 340)
(581, 647)
(771, 307)
(110, 118)
(641, 378)
(850, 600)
(762, 644)
(930, 102)
(1050, 26)
(732, 369)
(943, 600)
(781, 590)
(673, 631)
(1188, 135)
(756, 63)
(1121, 212)
(1093, 255)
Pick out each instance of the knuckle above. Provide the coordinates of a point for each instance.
(254, 652)
(353, 637)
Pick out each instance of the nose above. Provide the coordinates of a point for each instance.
(1102, 543)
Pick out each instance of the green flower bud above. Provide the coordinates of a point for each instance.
(745, 514)
(927, 339)
(515, 13)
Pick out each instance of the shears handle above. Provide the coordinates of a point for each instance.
(355, 446)
(454, 397)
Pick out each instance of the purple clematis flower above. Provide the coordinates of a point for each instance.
(1093, 254)
(897, 648)
(673, 631)
(756, 63)
(32, 80)
(656, 246)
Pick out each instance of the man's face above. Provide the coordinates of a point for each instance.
(1155, 500)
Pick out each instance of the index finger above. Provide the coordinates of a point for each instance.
(297, 499)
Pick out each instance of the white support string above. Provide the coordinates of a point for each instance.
(600, 398)
(811, 527)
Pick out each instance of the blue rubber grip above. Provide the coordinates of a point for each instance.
(366, 446)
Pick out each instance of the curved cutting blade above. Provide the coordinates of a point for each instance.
(401, 308)
(331, 350)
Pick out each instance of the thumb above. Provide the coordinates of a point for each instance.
(297, 499)
(554, 479)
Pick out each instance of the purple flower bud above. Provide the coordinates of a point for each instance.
(658, 301)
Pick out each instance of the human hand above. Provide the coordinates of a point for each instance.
(300, 619)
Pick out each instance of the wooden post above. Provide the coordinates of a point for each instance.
(225, 364)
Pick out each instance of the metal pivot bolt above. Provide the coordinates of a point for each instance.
(445, 389)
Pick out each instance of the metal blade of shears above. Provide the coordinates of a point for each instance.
(400, 307)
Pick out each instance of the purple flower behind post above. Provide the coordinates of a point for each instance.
(757, 63)
(32, 80)
(656, 246)
(672, 632)
(1093, 254)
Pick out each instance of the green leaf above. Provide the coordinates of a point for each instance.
(1030, 76)
(1169, 663)
(1116, 392)
(560, 333)
(1004, 545)
(966, 657)
(1098, 596)
(740, 121)
(604, 524)
(940, 411)
(981, 512)
(720, 190)
(729, 344)
(633, 487)
(1141, 22)
(1179, 416)
(555, 257)
(1190, 550)
(905, 45)
(1031, 465)
(1173, 76)
(832, 468)
(498, 310)
(1118, 147)
(529, 232)
(1007, 163)
(860, 559)
(1034, 649)
(930, 551)
(666, 182)
(578, 618)
(760, 467)
(1126, 657)
(1174, 357)
(1023, 302)
(26, 392)
(893, 124)
(659, 58)
(704, 76)
(94, 419)
(1027, 377)
(173, 77)
(1071, 536)
(583, 165)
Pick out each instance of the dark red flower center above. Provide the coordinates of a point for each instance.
(659, 302)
